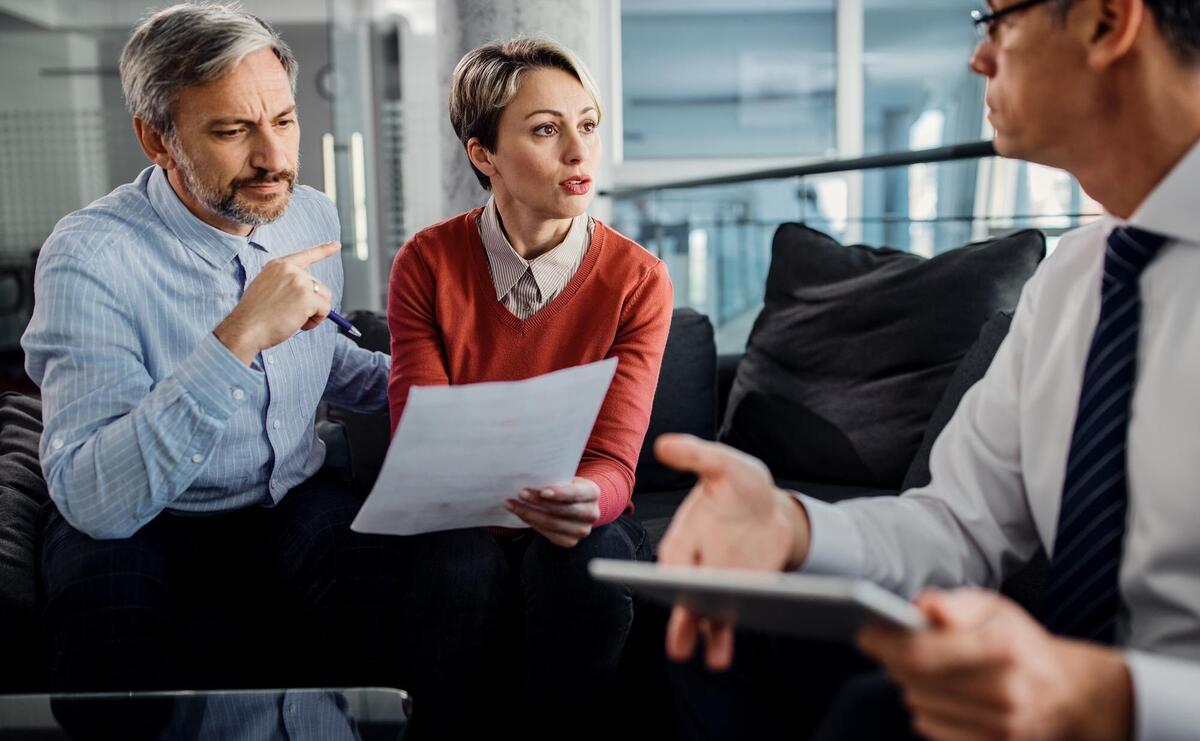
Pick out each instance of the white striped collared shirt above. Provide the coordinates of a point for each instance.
(525, 286)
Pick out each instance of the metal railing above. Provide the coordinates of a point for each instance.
(953, 152)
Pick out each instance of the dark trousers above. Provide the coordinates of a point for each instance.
(781, 688)
(512, 632)
(148, 611)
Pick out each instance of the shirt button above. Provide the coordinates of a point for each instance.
(197, 458)
(277, 424)
(238, 393)
(56, 443)
(270, 360)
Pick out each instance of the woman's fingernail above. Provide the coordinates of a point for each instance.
(526, 494)
(509, 504)
(549, 493)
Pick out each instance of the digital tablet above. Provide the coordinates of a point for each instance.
(820, 607)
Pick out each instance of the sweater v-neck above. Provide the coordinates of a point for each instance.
(547, 313)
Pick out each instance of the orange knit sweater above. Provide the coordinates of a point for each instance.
(448, 328)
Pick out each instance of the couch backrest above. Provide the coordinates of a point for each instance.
(686, 398)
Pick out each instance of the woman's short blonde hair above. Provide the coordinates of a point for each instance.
(486, 80)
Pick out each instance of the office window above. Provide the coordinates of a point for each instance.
(919, 94)
(725, 78)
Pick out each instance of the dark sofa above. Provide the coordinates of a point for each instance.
(693, 389)
(219, 636)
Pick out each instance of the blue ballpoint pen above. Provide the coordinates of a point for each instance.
(340, 320)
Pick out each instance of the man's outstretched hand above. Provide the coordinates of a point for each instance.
(735, 517)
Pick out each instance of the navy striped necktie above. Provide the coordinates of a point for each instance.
(1084, 596)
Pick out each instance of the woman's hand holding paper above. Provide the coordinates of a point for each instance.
(564, 513)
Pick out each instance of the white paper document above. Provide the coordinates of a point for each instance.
(460, 451)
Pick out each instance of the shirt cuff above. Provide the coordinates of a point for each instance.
(1164, 696)
(216, 379)
(834, 542)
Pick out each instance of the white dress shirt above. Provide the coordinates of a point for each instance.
(525, 286)
(998, 467)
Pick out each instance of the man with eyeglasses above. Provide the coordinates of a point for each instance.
(1081, 439)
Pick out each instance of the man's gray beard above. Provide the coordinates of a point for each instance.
(224, 205)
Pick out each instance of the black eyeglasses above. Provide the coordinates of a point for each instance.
(985, 21)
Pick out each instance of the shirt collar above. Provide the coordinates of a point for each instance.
(1170, 209)
(210, 243)
(548, 268)
(267, 236)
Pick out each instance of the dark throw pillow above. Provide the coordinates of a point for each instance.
(854, 348)
(974, 364)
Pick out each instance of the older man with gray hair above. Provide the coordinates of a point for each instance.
(180, 345)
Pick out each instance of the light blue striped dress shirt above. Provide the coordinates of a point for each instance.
(294, 715)
(144, 408)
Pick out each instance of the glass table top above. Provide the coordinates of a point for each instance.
(342, 714)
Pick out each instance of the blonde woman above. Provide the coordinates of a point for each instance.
(526, 285)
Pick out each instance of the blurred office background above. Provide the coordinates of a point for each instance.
(692, 89)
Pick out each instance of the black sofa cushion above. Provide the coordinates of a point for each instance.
(854, 347)
(22, 498)
(685, 400)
